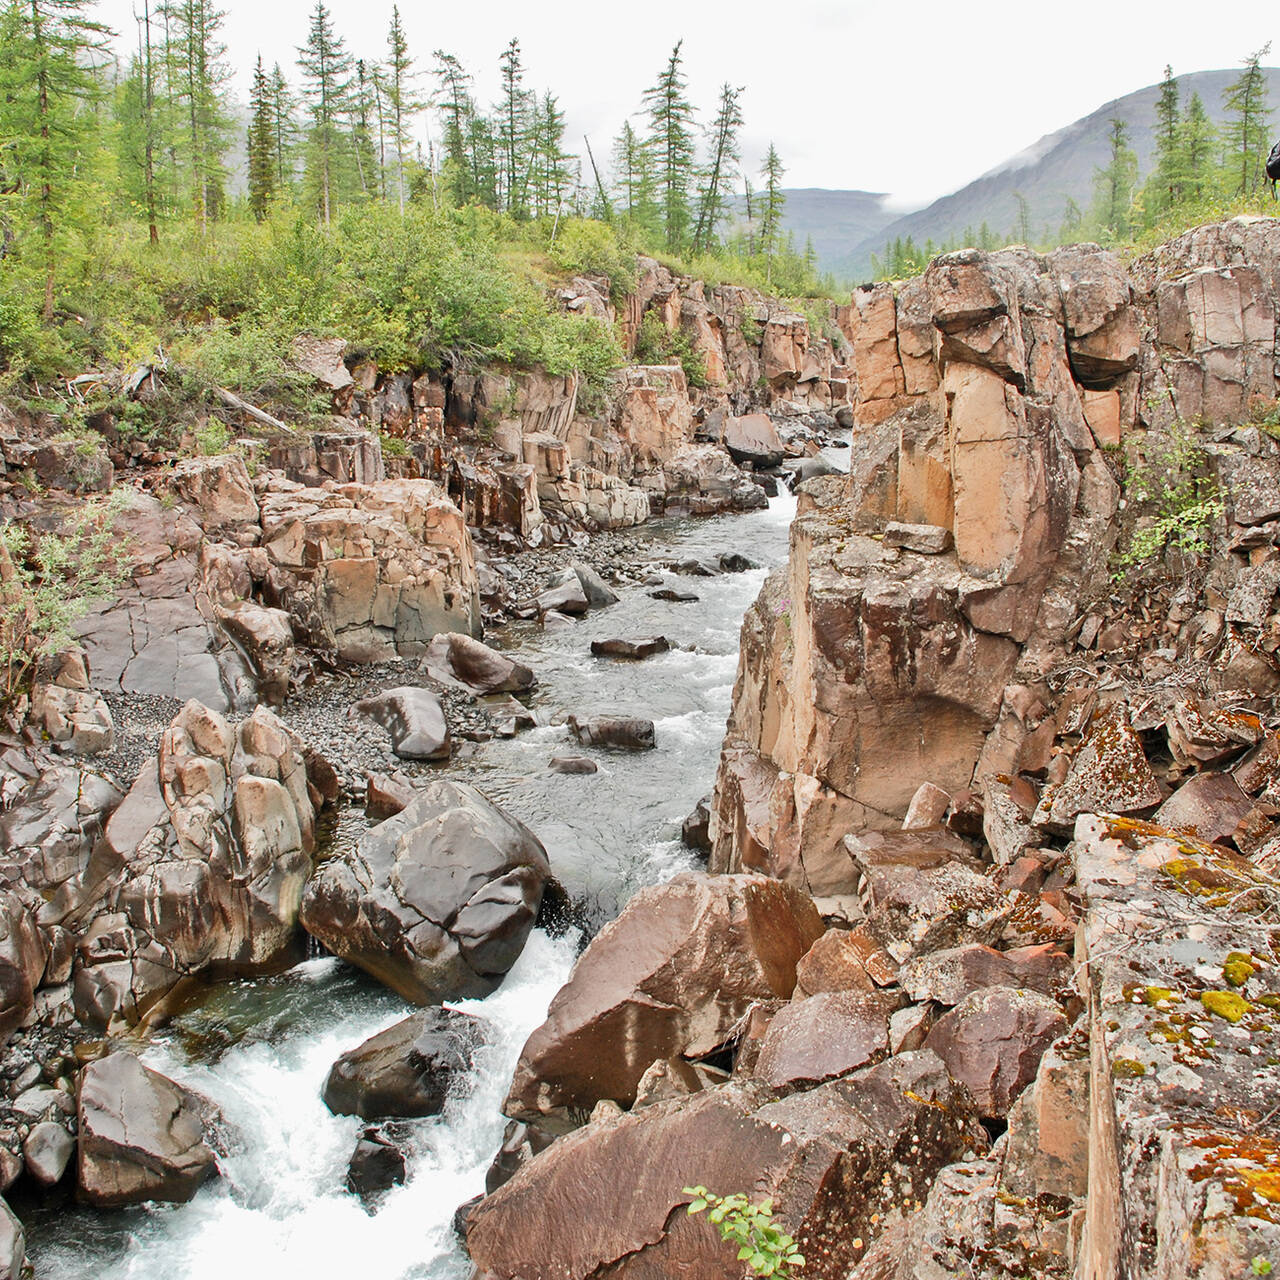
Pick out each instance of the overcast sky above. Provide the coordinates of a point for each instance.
(914, 98)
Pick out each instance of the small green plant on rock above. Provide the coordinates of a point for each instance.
(1170, 478)
(767, 1250)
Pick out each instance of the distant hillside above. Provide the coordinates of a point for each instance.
(834, 220)
(1058, 166)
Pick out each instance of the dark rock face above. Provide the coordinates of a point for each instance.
(376, 1165)
(612, 731)
(415, 720)
(406, 1070)
(754, 439)
(438, 901)
(827, 1035)
(644, 648)
(454, 656)
(572, 764)
(142, 1137)
(695, 830)
(832, 1158)
(671, 976)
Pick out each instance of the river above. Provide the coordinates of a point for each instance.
(261, 1049)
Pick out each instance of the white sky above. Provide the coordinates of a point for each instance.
(915, 98)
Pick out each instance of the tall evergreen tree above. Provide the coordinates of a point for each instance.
(671, 140)
(261, 144)
(194, 55)
(513, 131)
(773, 202)
(1197, 142)
(147, 118)
(402, 102)
(724, 154)
(363, 109)
(452, 98)
(326, 68)
(284, 127)
(1113, 185)
(1244, 129)
(552, 171)
(1163, 185)
(633, 180)
(49, 46)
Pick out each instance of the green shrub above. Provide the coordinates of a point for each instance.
(656, 344)
(766, 1249)
(48, 583)
(1169, 478)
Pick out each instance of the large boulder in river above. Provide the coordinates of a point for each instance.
(453, 656)
(671, 976)
(405, 1070)
(625, 734)
(838, 1160)
(438, 901)
(142, 1137)
(13, 1244)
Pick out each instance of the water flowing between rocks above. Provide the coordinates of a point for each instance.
(261, 1049)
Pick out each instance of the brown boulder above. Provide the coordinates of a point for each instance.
(607, 1200)
(141, 1136)
(950, 976)
(672, 975)
(992, 1043)
(824, 1036)
(437, 901)
(753, 439)
(415, 720)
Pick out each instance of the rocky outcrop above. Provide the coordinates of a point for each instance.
(673, 975)
(438, 901)
(142, 1137)
(200, 869)
(834, 1160)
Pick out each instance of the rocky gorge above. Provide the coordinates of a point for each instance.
(981, 975)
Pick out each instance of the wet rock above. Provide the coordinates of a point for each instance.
(453, 656)
(438, 901)
(992, 1043)
(376, 1165)
(695, 830)
(850, 1134)
(644, 648)
(568, 598)
(47, 1151)
(572, 764)
(611, 731)
(13, 1245)
(736, 562)
(598, 592)
(671, 976)
(825, 1035)
(142, 1137)
(407, 1070)
(520, 1143)
(676, 597)
(415, 720)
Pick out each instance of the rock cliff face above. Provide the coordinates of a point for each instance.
(944, 577)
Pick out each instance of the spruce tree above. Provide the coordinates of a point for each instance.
(452, 98)
(513, 131)
(362, 111)
(48, 50)
(724, 154)
(1197, 142)
(1244, 129)
(194, 54)
(326, 68)
(261, 144)
(1163, 185)
(773, 203)
(403, 104)
(671, 140)
(1113, 185)
(633, 181)
(284, 127)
